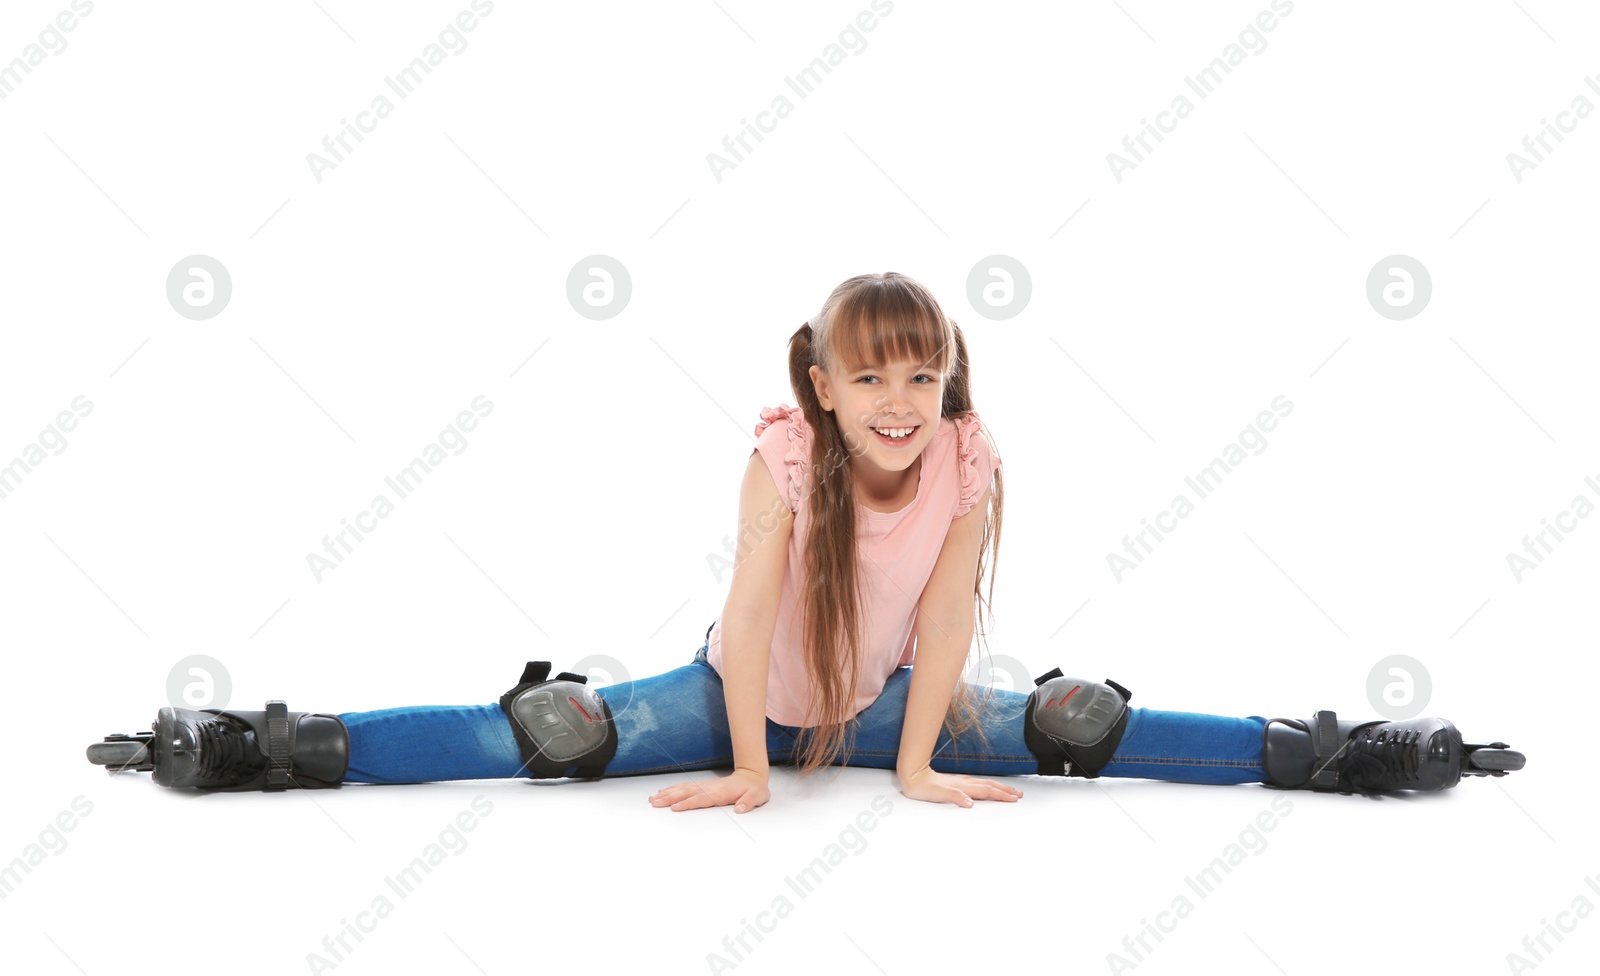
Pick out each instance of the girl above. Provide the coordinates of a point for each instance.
(865, 517)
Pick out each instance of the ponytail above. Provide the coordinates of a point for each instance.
(831, 619)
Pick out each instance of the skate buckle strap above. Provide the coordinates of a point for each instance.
(1325, 742)
(277, 745)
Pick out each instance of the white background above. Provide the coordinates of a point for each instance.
(371, 307)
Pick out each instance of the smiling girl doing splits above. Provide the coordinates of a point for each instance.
(866, 514)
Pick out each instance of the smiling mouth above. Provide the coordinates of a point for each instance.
(906, 433)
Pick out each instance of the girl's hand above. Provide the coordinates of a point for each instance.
(746, 788)
(937, 787)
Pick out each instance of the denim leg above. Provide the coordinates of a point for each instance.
(877, 734)
(672, 722)
(1188, 747)
(678, 722)
(423, 743)
(1184, 747)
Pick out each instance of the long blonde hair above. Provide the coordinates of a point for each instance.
(872, 318)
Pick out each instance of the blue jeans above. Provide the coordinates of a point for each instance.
(678, 721)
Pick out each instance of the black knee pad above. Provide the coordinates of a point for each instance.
(1076, 722)
(559, 723)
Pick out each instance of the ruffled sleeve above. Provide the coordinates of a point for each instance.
(787, 449)
(976, 460)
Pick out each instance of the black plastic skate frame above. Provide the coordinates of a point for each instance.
(121, 752)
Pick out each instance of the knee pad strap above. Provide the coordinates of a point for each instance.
(559, 723)
(1073, 726)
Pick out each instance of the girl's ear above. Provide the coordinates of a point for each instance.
(819, 382)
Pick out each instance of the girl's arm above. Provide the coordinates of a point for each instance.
(946, 619)
(751, 613)
(748, 620)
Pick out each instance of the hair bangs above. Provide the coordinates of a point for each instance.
(874, 326)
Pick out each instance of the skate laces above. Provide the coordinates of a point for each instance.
(224, 749)
(1384, 758)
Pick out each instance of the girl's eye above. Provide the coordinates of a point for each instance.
(920, 376)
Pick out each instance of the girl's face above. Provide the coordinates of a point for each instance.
(896, 397)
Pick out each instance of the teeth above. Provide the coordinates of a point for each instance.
(895, 431)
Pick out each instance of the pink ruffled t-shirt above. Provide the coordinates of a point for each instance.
(898, 550)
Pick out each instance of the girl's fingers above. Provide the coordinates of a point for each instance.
(668, 794)
(986, 789)
(682, 797)
(688, 799)
(1000, 787)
